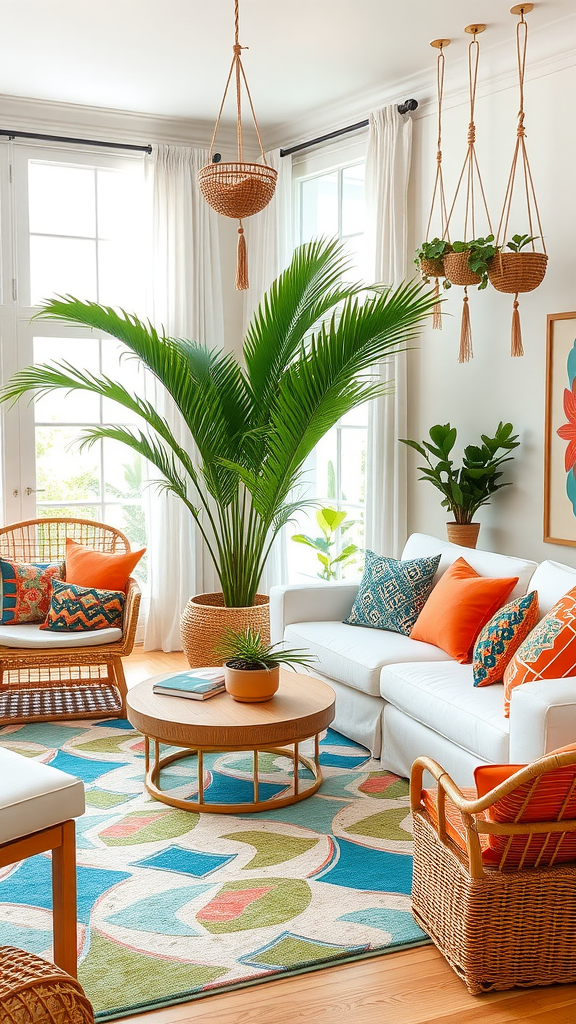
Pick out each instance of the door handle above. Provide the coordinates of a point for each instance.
(34, 490)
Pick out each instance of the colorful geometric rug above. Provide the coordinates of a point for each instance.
(173, 904)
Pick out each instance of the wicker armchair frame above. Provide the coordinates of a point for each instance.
(70, 683)
(497, 928)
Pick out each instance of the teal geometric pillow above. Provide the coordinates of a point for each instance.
(74, 608)
(498, 642)
(392, 594)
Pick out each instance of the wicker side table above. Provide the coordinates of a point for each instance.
(32, 991)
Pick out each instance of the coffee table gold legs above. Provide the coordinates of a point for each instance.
(201, 804)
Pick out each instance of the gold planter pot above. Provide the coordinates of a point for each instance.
(464, 534)
(251, 685)
(205, 619)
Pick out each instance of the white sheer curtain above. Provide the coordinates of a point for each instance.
(387, 172)
(269, 237)
(185, 300)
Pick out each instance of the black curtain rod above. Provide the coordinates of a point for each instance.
(11, 134)
(403, 108)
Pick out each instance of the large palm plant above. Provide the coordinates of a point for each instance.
(308, 359)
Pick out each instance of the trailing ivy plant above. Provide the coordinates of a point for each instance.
(434, 250)
(467, 488)
(480, 252)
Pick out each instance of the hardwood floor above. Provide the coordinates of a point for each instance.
(412, 987)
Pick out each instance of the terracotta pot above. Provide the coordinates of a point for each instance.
(457, 270)
(515, 272)
(251, 685)
(205, 619)
(464, 534)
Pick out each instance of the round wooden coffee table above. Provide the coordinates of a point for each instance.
(301, 709)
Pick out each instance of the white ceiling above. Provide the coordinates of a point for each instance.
(171, 57)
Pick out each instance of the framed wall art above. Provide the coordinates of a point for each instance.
(560, 433)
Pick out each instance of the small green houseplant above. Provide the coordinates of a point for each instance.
(329, 520)
(466, 488)
(252, 666)
(518, 270)
(430, 259)
(473, 256)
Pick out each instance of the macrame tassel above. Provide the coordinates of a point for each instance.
(516, 348)
(242, 262)
(437, 310)
(465, 354)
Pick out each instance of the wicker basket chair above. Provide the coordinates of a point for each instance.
(494, 884)
(80, 682)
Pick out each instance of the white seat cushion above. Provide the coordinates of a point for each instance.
(443, 697)
(29, 634)
(34, 796)
(487, 563)
(355, 654)
(552, 580)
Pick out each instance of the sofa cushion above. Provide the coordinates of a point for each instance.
(442, 697)
(501, 638)
(551, 581)
(29, 634)
(34, 796)
(486, 563)
(548, 652)
(81, 609)
(392, 594)
(355, 654)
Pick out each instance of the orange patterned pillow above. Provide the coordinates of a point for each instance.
(548, 652)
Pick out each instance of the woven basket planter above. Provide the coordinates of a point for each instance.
(237, 189)
(32, 991)
(464, 534)
(516, 272)
(432, 268)
(205, 619)
(457, 270)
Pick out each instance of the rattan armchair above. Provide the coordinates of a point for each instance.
(80, 682)
(511, 923)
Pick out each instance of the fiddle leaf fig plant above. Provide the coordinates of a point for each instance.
(473, 484)
(480, 252)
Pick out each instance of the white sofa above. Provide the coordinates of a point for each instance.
(402, 698)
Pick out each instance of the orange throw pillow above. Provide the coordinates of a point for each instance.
(548, 652)
(99, 569)
(460, 604)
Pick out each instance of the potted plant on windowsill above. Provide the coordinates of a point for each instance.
(468, 263)
(330, 521)
(307, 361)
(517, 271)
(252, 665)
(474, 484)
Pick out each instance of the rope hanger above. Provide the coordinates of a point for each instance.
(438, 192)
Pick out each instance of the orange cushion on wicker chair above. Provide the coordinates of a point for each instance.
(99, 569)
(548, 652)
(460, 604)
(454, 825)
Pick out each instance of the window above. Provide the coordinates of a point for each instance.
(77, 228)
(331, 202)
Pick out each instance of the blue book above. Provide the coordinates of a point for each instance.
(189, 684)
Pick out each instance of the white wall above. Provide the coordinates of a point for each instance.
(493, 386)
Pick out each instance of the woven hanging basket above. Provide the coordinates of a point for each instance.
(237, 189)
(516, 272)
(457, 270)
(205, 619)
(432, 268)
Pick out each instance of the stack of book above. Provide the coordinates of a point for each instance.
(197, 684)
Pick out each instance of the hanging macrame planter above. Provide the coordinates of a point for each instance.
(430, 256)
(519, 271)
(458, 264)
(238, 189)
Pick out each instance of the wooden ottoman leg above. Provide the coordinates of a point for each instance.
(121, 681)
(64, 901)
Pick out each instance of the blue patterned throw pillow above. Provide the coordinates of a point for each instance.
(501, 637)
(392, 594)
(73, 608)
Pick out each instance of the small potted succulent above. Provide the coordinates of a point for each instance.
(468, 262)
(252, 666)
(465, 490)
(430, 259)
(517, 270)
